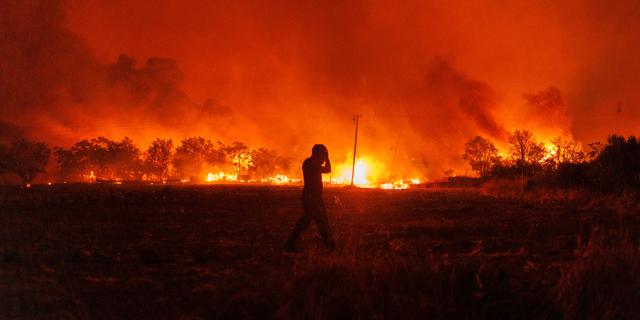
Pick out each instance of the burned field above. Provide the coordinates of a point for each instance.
(118, 251)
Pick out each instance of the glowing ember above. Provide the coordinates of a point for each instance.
(221, 176)
(279, 179)
(364, 175)
(230, 177)
(550, 152)
(242, 161)
(396, 185)
(369, 173)
(361, 175)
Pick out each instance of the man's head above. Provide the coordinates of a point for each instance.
(319, 151)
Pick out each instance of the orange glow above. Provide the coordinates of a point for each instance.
(426, 76)
(233, 178)
(550, 151)
(221, 176)
(366, 173)
(281, 179)
(369, 173)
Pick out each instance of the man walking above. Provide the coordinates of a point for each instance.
(312, 170)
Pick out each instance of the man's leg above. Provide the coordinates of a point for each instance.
(320, 216)
(301, 225)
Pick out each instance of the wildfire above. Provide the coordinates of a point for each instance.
(550, 152)
(280, 179)
(368, 174)
(400, 184)
(221, 176)
(363, 175)
(230, 177)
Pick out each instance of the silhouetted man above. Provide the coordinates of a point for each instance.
(312, 170)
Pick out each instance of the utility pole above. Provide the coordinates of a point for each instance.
(393, 161)
(356, 118)
(618, 111)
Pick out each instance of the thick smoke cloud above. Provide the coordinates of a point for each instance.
(43, 66)
(425, 75)
(475, 99)
(53, 87)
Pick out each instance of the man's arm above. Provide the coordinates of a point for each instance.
(327, 166)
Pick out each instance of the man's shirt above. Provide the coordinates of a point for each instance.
(312, 173)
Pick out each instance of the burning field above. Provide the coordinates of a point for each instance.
(116, 251)
(425, 76)
(483, 158)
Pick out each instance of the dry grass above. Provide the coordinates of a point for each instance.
(604, 280)
(199, 252)
(471, 286)
(626, 203)
(503, 188)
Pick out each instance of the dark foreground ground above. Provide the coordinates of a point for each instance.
(215, 252)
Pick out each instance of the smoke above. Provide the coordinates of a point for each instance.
(475, 99)
(54, 88)
(547, 111)
(43, 65)
(426, 75)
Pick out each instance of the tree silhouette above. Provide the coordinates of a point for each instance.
(618, 165)
(193, 154)
(97, 152)
(595, 148)
(124, 159)
(158, 158)
(524, 149)
(481, 154)
(267, 163)
(525, 152)
(5, 162)
(67, 162)
(82, 158)
(27, 158)
(105, 158)
(567, 151)
(239, 155)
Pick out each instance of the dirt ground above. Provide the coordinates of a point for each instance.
(205, 252)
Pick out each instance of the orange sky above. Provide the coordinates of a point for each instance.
(291, 73)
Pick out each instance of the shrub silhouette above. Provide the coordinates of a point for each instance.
(617, 166)
(27, 158)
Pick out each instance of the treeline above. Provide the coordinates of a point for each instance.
(104, 159)
(24, 158)
(610, 167)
